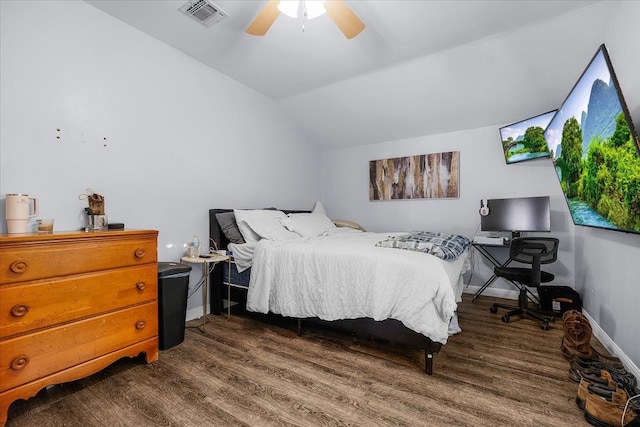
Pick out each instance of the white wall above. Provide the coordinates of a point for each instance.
(483, 175)
(601, 265)
(161, 136)
(175, 131)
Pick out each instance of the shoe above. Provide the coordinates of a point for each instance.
(589, 356)
(580, 364)
(570, 350)
(577, 330)
(607, 360)
(577, 340)
(577, 336)
(570, 313)
(623, 380)
(608, 409)
(606, 379)
(620, 375)
(602, 380)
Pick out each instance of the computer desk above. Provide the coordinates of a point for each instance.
(483, 248)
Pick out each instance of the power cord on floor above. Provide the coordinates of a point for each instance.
(626, 406)
(201, 281)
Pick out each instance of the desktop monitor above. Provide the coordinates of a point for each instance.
(516, 215)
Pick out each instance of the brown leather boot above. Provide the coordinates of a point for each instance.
(607, 360)
(603, 381)
(570, 313)
(576, 341)
(606, 409)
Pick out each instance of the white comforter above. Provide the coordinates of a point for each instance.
(345, 276)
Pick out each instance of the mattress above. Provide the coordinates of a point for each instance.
(345, 276)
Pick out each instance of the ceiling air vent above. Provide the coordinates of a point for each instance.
(204, 12)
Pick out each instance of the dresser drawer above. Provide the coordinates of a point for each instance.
(53, 259)
(47, 302)
(29, 357)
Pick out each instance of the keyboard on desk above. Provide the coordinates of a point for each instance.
(486, 240)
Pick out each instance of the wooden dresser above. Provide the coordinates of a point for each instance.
(72, 303)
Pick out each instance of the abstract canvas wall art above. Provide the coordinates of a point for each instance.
(425, 176)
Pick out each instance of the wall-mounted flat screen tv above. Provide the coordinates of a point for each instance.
(595, 150)
(524, 140)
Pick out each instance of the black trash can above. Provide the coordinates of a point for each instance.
(173, 287)
(559, 299)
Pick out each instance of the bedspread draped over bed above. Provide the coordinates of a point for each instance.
(446, 246)
(332, 277)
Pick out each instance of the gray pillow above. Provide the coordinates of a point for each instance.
(227, 222)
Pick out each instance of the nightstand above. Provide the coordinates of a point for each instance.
(206, 264)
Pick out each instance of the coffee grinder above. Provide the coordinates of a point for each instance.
(97, 220)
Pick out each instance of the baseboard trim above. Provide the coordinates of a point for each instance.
(611, 346)
(492, 292)
(195, 313)
(597, 331)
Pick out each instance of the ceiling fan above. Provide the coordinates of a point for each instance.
(338, 11)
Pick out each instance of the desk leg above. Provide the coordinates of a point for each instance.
(485, 286)
(485, 253)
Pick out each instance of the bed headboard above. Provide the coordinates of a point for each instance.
(215, 232)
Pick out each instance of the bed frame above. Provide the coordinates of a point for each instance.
(390, 330)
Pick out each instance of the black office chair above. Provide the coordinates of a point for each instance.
(528, 250)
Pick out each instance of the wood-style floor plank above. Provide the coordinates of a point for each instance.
(250, 371)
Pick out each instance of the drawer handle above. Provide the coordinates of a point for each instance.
(140, 253)
(18, 267)
(141, 324)
(19, 310)
(19, 362)
(141, 286)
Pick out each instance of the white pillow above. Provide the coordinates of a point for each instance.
(309, 224)
(247, 233)
(319, 208)
(262, 224)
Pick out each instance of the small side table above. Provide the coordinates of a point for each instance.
(204, 262)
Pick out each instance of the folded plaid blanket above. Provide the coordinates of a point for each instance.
(446, 246)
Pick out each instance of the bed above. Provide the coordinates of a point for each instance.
(352, 280)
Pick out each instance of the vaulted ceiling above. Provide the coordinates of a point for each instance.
(418, 68)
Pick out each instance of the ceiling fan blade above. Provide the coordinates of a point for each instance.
(265, 19)
(344, 18)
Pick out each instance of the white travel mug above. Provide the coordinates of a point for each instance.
(18, 212)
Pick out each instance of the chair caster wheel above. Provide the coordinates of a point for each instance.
(505, 318)
(544, 326)
(493, 309)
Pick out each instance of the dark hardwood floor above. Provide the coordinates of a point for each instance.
(247, 372)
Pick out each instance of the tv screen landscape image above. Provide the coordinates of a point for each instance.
(524, 140)
(595, 149)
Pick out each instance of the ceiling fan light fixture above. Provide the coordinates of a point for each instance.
(289, 8)
(337, 10)
(310, 8)
(314, 8)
